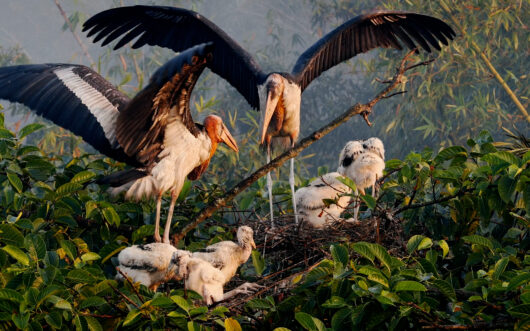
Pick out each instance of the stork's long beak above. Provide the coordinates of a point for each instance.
(253, 244)
(272, 101)
(227, 138)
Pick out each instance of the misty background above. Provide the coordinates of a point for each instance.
(275, 32)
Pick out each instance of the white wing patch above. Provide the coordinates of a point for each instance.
(103, 110)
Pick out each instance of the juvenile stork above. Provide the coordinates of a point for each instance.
(277, 94)
(207, 280)
(227, 256)
(153, 132)
(313, 209)
(153, 264)
(365, 169)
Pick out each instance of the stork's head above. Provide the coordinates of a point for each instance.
(349, 153)
(218, 132)
(375, 145)
(274, 86)
(245, 236)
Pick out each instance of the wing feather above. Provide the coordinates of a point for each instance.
(72, 96)
(179, 29)
(366, 32)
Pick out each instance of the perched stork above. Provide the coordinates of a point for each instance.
(313, 209)
(153, 132)
(366, 168)
(277, 94)
(207, 280)
(153, 264)
(227, 256)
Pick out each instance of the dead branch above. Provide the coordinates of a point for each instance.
(71, 28)
(356, 109)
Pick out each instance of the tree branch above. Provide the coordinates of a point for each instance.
(357, 109)
(83, 46)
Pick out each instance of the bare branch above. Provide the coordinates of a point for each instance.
(299, 147)
(83, 46)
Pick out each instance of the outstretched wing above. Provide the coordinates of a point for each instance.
(360, 34)
(142, 123)
(179, 29)
(72, 96)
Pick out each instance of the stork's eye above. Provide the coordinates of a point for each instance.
(365, 146)
(347, 161)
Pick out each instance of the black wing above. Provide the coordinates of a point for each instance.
(72, 96)
(141, 124)
(179, 29)
(366, 32)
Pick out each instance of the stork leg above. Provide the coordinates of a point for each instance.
(246, 288)
(357, 205)
(174, 196)
(269, 186)
(157, 220)
(291, 183)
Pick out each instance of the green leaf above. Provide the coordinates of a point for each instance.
(68, 189)
(146, 230)
(54, 319)
(232, 325)
(35, 246)
(90, 256)
(418, 242)
(409, 285)
(348, 182)
(92, 302)
(17, 254)
(111, 216)
(499, 268)
(478, 240)
(30, 128)
(63, 304)
(519, 280)
(83, 177)
(444, 246)
(15, 181)
(281, 329)
(506, 188)
(10, 235)
(81, 276)
(181, 302)
(309, 322)
(93, 324)
(131, 317)
(69, 248)
(379, 279)
(21, 320)
(383, 256)
(258, 262)
(11, 295)
(340, 254)
(520, 311)
(363, 249)
(369, 200)
(445, 288)
(450, 153)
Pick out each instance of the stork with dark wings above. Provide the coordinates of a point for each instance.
(277, 94)
(154, 132)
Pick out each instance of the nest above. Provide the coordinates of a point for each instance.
(292, 250)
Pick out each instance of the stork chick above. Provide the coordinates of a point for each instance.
(227, 256)
(366, 169)
(310, 200)
(153, 264)
(207, 280)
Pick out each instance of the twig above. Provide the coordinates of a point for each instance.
(428, 203)
(83, 46)
(290, 153)
(124, 296)
(131, 284)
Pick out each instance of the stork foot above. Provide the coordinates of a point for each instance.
(248, 288)
(352, 221)
(157, 237)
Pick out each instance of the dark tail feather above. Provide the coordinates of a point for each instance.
(122, 177)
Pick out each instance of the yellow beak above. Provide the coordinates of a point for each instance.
(272, 102)
(227, 138)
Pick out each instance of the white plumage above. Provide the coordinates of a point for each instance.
(309, 200)
(153, 264)
(349, 153)
(227, 256)
(203, 278)
(366, 168)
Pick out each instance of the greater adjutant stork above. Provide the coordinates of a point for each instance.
(154, 131)
(277, 94)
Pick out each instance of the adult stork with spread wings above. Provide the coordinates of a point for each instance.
(153, 132)
(277, 94)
